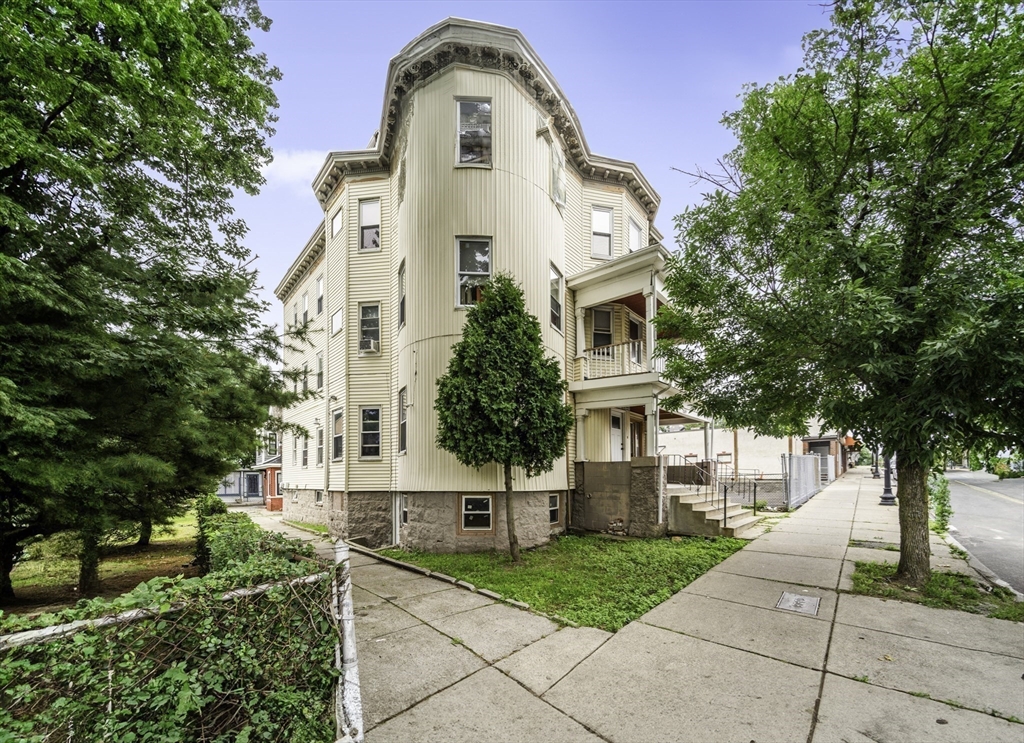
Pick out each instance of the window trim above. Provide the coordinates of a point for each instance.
(404, 505)
(305, 307)
(305, 376)
(337, 431)
(320, 446)
(319, 295)
(611, 325)
(318, 498)
(557, 509)
(336, 223)
(639, 236)
(556, 275)
(361, 338)
(461, 528)
(610, 234)
(295, 450)
(403, 420)
(337, 321)
(380, 438)
(401, 295)
(364, 227)
(458, 265)
(305, 452)
(458, 131)
(320, 370)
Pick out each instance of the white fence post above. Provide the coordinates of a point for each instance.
(348, 699)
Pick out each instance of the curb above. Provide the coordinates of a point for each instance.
(985, 572)
(323, 536)
(458, 584)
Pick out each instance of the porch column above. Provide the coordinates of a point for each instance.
(708, 447)
(581, 438)
(652, 308)
(651, 411)
(581, 331)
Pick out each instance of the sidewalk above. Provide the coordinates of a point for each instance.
(716, 662)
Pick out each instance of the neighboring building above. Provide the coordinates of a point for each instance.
(479, 166)
(262, 480)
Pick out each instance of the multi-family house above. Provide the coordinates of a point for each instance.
(479, 166)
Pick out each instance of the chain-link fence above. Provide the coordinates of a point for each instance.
(272, 662)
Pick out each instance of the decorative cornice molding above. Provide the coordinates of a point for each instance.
(485, 46)
(307, 258)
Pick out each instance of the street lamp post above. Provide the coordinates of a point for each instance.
(874, 465)
(888, 499)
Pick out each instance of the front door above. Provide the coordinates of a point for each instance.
(616, 437)
(252, 485)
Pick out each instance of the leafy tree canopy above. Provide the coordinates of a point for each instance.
(131, 345)
(861, 254)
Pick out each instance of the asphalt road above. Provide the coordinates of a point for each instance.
(988, 520)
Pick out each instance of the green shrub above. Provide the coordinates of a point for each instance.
(207, 507)
(938, 499)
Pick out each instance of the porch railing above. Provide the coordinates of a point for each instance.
(616, 360)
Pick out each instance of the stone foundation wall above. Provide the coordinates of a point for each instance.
(300, 505)
(643, 499)
(434, 519)
(337, 516)
(369, 516)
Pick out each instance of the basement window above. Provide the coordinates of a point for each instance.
(476, 512)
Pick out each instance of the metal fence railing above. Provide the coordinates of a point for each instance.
(206, 667)
(802, 475)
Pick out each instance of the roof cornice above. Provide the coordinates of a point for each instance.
(653, 258)
(309, 255)
(456, 41)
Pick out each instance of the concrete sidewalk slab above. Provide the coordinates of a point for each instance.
(487, 706)
(650, 685)
(855, 712)
(431, 606)
(393, 583)
(982, 681)
(398, 670)
(956, 628)
(382, 619)
(820, 523)
(758, 592)
(829, 539)
(541, 665)
(829, 532)
(495, 631)
(805, 571)
(782, 635)
(791, 544)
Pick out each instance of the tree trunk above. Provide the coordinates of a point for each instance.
(8, 549)
(145, 532)
(510, 517)
(915, 550)
(89, 562)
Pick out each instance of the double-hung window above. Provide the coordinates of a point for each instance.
(601, 232)
(601, 331)
(553, 516)
(336, 322)
(474, 268)
(402, 421)
(319, 294)
(305, 308)
(320, 371)
(271, 444)
(369, 328)
(369, 433)
(319, 447)
(305, 451)
(635, 236)
(336, 224)
(401, 295)
(338, 435)
(556, 298)
(305, 377)
(295, 315)
(474, 135)
(295, 450)
(476, 512)
(369, 225)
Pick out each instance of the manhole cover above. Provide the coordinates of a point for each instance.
(798, 603)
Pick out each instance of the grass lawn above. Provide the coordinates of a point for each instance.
(943, 591)
(319, 528)
(47, 577)
(593, 581)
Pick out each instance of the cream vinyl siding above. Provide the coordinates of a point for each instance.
(368, 375)
(509, 203)
(598, 434)
(335, 299)
(307, 411)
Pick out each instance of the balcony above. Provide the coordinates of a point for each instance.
(616, 360)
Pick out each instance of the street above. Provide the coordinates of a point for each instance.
(988, 520)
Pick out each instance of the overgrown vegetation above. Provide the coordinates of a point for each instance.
(198, 668)
(588, 580)
(319, 528)
(938, 501)
(941, 591)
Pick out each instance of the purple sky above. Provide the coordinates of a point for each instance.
(648, 80)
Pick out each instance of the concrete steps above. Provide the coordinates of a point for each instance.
(691, 515)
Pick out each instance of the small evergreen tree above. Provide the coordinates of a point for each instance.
(502, 400)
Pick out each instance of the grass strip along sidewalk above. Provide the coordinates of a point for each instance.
(589, 580)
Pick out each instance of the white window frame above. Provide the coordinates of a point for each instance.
(556, 509)
(401, 295)
(305, 377)
(403, 421)
(337, 432)
(610, 234)
(320, 446)
(320, 370)
(318, 498)
(305, 452)
(379, 432)
(463, 512)
(369, 225)
(593, 326)
(295, 315)
(305, 308)
(404, 502)
(362, 336)
(637, 230)
(295, 450)
(558, 282)
(336, 322)
(458, 133)
(319, 295)
(458, 266)
(336, 223)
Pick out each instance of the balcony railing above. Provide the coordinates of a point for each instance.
(616, 360)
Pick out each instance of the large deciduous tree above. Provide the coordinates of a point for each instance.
(502, 399)
(131, 348)
(861, 256)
